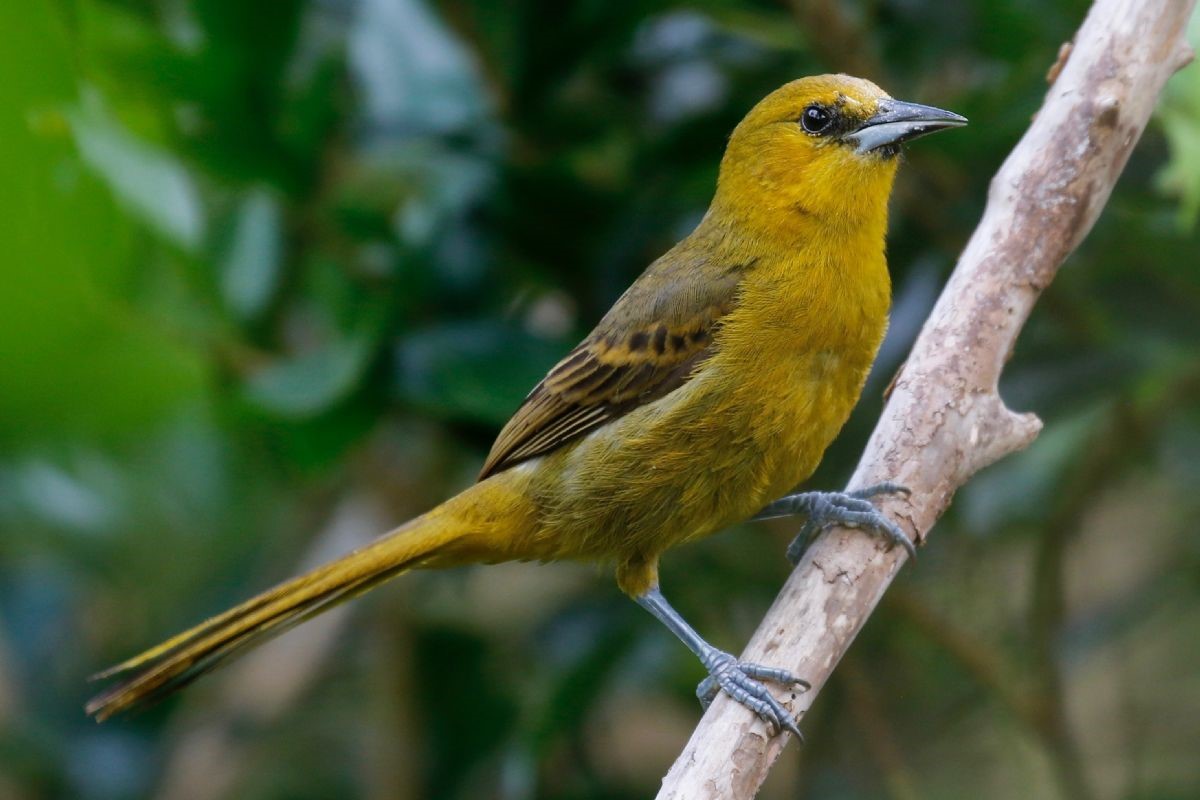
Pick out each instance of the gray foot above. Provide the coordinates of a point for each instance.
(828, 509)
(741, 681)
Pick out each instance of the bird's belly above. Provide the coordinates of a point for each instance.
(685, 466)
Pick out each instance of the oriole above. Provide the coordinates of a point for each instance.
(709, 391)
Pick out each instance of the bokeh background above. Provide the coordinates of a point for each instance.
(273, 274)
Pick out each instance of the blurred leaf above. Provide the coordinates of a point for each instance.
(253, 256)
(416, 77)
(1179, 113)
(151, 183)
(310, 383)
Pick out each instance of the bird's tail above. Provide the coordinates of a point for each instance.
(452, 533)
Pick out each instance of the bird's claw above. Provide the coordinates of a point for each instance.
(887, 487)
(850, 509)
(741, 680)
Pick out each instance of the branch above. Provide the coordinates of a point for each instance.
(945, 420)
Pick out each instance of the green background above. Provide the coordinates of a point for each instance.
(272, 275)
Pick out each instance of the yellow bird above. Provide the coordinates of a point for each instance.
(707, 393)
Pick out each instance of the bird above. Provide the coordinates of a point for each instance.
(705, 396)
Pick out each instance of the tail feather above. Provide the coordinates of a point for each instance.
(185, 657)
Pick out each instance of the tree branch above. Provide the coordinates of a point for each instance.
(945, 420)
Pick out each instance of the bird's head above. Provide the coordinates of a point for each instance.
(823, 149)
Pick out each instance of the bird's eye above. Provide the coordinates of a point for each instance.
(815, 119)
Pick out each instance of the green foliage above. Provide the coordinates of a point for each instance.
(1180, 117)
(275, 273)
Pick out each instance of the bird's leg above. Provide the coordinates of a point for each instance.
(827, 509)
(738, 679)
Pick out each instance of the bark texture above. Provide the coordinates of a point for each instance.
(945, 420)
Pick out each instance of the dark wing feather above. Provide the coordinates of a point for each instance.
(647, 346)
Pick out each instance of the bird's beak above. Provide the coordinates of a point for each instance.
(895, 122)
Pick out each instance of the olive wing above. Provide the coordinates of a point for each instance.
(648, 345)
